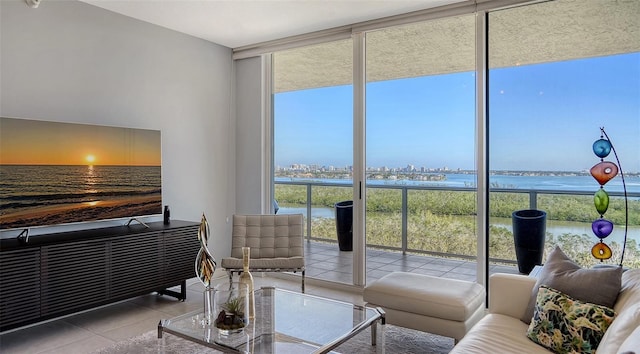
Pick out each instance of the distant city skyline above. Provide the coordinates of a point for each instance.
(422, 169)
(542, 117)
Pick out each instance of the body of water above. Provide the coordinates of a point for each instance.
(459, 180)
(35, 195)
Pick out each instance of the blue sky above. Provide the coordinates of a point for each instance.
(542, 117)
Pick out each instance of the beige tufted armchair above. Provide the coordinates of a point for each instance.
(276, 243)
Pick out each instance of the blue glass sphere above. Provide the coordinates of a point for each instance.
(602, 148)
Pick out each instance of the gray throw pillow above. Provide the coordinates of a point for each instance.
(598, 286)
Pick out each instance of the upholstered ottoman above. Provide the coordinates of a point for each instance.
(446, 307)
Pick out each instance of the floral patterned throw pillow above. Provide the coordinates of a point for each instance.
(565, 325)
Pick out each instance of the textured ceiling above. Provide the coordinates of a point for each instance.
(545, 32)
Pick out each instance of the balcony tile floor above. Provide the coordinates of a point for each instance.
(325, 261)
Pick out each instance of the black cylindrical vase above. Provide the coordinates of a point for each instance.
(529, 229)
(344, 225)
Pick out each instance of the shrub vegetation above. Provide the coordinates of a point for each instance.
(444, 221)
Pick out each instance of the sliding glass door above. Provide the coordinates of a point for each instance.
(420, 133)
(313, 150)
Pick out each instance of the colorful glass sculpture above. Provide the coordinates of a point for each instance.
(603, 172)
(602, 228)
(601, 201)
(602, 148)
(601, 251)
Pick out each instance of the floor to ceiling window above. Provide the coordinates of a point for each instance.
(420, 133)
(313, 146)
(559, 71)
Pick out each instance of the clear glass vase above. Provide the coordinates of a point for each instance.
(231, 307)
(247, 278)
(209, 313)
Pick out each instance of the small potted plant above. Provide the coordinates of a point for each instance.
(231, 307)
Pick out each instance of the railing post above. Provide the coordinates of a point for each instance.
(308, 212)
(533, 199)
(404, 220)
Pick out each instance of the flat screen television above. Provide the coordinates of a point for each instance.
(59, 173)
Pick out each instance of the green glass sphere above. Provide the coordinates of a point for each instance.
(601, 201)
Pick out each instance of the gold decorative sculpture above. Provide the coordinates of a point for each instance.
(205, 263)
(205, 266)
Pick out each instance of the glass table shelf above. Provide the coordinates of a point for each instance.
(285, 322)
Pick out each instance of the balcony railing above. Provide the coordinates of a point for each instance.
(404, 189)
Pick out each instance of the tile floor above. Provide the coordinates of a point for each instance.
(95, 329)
(102, 327)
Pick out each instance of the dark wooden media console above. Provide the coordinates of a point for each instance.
(61, 273)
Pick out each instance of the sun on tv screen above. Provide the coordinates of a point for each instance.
(59, 173)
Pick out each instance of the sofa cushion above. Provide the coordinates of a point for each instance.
(565, 325)
(631, 344)
(497, 333)
(630, 291)
(561, 273)
(628, 309)
(626, 322)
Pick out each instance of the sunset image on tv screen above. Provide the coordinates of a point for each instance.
(58, 173)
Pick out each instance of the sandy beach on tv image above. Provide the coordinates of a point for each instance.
(77, 212)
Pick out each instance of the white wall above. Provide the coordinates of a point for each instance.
(68, 61)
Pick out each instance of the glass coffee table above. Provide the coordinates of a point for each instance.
(285, 322)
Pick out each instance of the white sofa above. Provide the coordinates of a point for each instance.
(502, 331)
